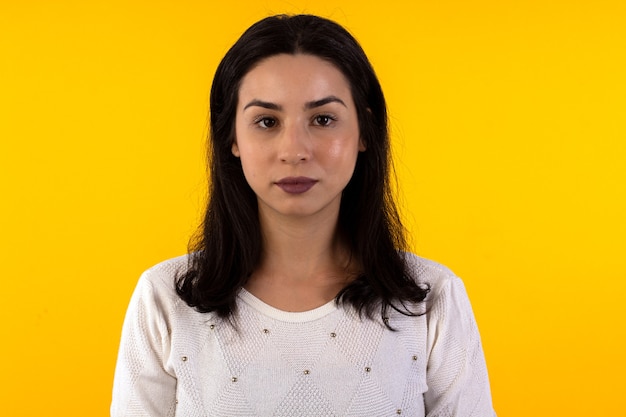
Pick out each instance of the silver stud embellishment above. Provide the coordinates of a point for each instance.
(368, 369)
(212, 326)
(398, 411)
(183, 358)
(414, 357)
(333, 334)
(266, 331)
(306, 372)
(234, 379)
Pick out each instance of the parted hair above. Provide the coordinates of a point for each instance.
(228, 245)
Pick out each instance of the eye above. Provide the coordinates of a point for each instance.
(323, 120)
(266, 122)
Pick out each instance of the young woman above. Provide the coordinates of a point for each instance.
(298, 299)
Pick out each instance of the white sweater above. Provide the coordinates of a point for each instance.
(174, 361)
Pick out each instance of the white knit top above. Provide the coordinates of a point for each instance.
(174, 361)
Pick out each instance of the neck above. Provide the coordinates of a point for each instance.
(302, 248)
(304, 264)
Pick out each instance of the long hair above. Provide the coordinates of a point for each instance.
(229, 245)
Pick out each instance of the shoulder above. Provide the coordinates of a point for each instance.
(164, 273)
(157, 285)
(427, 272)
(441, 281)
(457, 378)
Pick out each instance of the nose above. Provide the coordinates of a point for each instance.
(295, 144)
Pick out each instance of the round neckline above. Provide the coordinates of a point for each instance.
(282, 315)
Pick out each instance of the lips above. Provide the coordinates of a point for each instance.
(296, 185)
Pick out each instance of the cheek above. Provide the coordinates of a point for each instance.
(247, 164)
(343, 152)
(252, 163)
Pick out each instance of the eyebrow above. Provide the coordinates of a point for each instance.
(325, 100)
(264, 104)
(308, 105)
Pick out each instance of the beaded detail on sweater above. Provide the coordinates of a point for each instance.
(329, 363)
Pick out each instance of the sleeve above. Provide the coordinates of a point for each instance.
(142, 386)
(458, 383)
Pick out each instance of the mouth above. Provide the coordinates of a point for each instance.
(296, 185)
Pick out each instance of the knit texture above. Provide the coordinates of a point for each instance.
(324, 362)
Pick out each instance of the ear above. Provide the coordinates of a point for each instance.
(235, 149)
(362, 146)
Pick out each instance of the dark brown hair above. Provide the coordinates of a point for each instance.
(229, 245)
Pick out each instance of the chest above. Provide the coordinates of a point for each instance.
(335, 366)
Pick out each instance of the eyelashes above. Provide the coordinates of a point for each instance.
(270, 122)
(324, 119)
(265, 122)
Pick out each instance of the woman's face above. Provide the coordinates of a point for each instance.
(297, 135)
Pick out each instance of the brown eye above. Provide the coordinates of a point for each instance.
(266, 122)
(323, 120)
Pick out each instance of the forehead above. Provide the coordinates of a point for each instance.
(290, 76)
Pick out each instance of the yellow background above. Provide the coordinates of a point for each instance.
(509, 127)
